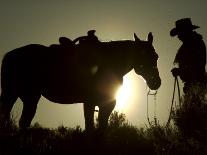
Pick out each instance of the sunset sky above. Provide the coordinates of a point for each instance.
(43, 22)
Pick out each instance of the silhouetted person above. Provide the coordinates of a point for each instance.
(191, 56)
(90, 39)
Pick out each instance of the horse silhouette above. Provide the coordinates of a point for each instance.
(88, 74)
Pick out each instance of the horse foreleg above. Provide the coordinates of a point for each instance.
(104, 113)
(29, 110)
(89, 116)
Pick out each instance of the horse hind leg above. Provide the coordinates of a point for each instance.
(29, 109)
(7, 101)
(104, 113)
(89, 117)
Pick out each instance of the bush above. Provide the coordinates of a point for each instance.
(120, 138)
(191, 116)
(117, 119)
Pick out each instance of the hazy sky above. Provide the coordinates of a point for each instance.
(43, 22)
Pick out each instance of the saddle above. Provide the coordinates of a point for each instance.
(83, 57)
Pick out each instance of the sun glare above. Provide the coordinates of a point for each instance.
(124, 95)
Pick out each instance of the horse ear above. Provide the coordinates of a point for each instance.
(150, 37)
(136, 38)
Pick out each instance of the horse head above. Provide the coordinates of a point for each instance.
(147, 64)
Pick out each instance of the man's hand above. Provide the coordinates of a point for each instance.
(175, 72)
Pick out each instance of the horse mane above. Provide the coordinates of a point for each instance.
(120, 46)
(118, 43)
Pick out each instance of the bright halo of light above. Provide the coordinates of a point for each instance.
(124, 95)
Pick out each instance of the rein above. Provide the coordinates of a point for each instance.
(179, 98)
(155, 106)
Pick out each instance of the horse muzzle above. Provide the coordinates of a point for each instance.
(154, 83)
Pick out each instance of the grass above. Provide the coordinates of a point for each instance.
(191, 116)
(188, 136)
(122, 139)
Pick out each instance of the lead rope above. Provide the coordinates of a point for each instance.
(155, 107)
(171, 108)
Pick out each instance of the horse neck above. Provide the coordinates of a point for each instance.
(118, 55)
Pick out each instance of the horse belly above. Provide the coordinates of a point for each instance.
(62, 97)
(65, 91)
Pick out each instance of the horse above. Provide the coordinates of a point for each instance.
(88, 74)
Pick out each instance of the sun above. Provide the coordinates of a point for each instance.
(124, 94)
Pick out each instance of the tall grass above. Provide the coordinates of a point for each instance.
(187, 136)
(191, 116)
(120, 138)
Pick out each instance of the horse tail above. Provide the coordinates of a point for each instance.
(7, 70)
(6, 98)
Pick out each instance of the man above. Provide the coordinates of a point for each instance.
(191, 56)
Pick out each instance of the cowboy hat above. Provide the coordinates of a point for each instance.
(182, 25)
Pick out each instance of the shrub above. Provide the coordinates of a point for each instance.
(117, 119)
(191, 116)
